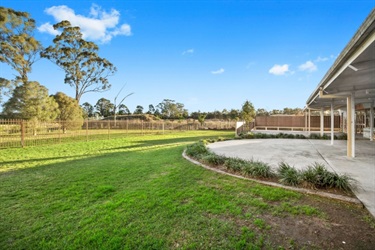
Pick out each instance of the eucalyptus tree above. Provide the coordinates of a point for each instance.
(138, 110)
(88, 109)
(18, 47)
(104, 107)
(84, 69)
(169, 109)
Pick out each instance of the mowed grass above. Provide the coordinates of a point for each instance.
(135, 192)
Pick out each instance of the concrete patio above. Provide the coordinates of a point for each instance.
(302, 152)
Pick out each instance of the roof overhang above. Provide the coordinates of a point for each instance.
(353, 72)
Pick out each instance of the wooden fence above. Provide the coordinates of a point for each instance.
(294, 122)
(21, 133)
(290, 123)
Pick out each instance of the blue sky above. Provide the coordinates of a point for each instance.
(208, 55)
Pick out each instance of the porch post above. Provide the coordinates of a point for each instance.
(321, 121)
(309, 121)
(332, 123)
(371, 121)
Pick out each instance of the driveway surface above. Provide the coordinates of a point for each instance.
(303, 152)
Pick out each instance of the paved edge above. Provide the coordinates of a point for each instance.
(273, 184)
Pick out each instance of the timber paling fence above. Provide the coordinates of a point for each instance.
(21, 133)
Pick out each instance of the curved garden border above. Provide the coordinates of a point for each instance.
(273, 184)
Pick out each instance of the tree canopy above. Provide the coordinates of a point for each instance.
(31, 101)
(104, 107)
(248, 112)
(84, 69)
(69, 111)
(18, 47)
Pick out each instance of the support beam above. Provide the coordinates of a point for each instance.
(349, 126)
(309, 122)
(353, 125)
(371, 121)
(332, 123)
(321, 121)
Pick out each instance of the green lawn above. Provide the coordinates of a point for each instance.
(135, 192)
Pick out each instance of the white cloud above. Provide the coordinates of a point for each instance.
(189, 51)
(321, 59)
(219, 71)
(279, 70)
(308, 66)
(48, 28)
(98, 26)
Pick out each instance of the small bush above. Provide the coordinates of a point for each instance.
(258, 169)
(196, 150)
(288, 175)
(314, 136)
(235, 164)
(213, 159)
(320, 177)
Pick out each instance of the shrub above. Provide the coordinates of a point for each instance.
(288, 175)
(213, 159)
(260, 169)
(235, 164)
(320, 177)
(197, 150)
(314, 136)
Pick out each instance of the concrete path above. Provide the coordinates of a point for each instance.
(301, 153)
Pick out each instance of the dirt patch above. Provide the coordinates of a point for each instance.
(341, 226)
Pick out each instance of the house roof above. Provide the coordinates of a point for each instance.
(353, 72)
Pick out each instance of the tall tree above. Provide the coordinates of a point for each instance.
(123, 110)
(31, 101)
(88, 109)
(70, 112)
(248, 112)
(84, 69)
(169, 109)
(18, 47)
(151, 109)
(138, 110)
(104, 107)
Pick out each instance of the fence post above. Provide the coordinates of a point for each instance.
(109, 125)
(163, 126)
(22, 133)
(60, 126)
(127, 126)
(142, 126)
(87, 130)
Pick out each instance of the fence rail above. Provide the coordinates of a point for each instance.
(21, 133)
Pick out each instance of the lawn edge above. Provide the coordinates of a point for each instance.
(273, 184)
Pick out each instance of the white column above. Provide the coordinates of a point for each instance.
(349, 126)
(309, 121)
(371, 121)
(353, 125)
(321, 121)
(332, 123)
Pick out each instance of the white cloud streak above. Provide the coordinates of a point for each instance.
(321, 59)
(99, 26)
(279, 70)
(217, 72)
(187, 52)
(308, 66)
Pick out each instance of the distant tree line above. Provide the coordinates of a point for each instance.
(85, 71)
